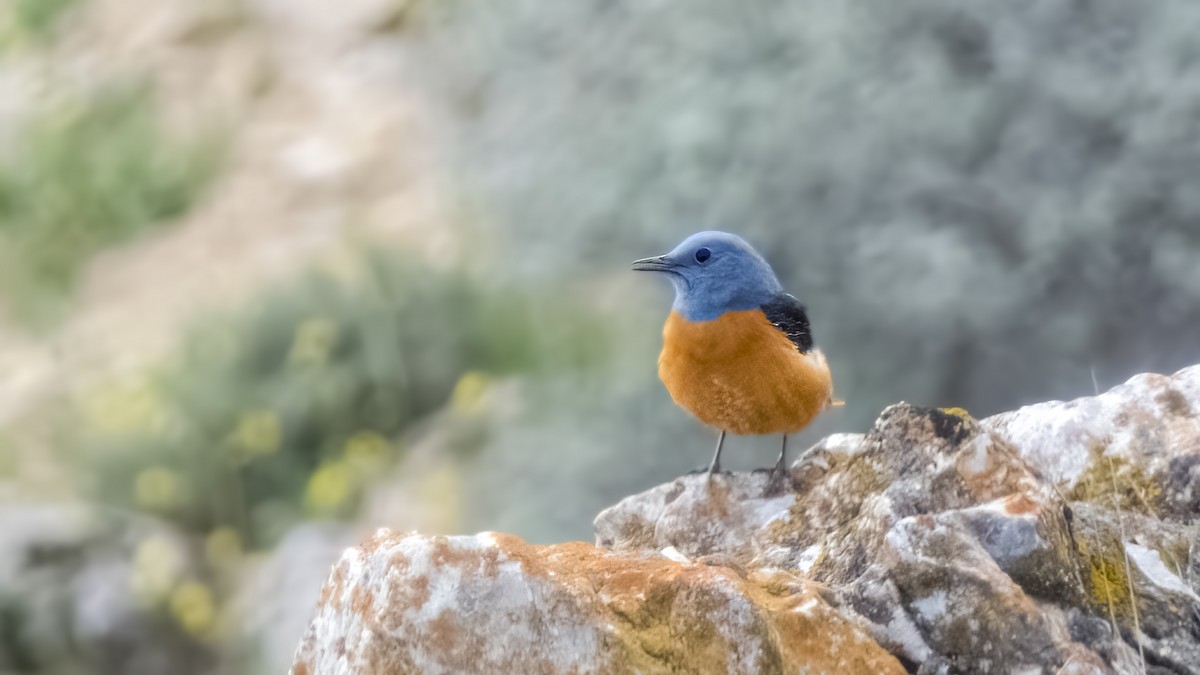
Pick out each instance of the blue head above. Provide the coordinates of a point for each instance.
(714, 273)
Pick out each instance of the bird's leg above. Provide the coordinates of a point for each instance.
(776, 482)
(715, 466)
(782, 456)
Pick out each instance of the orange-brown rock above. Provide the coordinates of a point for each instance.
(494, 604)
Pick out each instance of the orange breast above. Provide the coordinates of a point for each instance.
(742, 374)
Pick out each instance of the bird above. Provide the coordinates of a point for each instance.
(738, 352)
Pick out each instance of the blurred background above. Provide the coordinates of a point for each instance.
(273, 276)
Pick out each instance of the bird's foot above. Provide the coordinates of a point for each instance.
(704, 469)
(779, 482)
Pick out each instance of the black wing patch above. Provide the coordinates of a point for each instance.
(787, 314)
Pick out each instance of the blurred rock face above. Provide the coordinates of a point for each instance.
(98, 592)
(979, 204)
(1042, 540)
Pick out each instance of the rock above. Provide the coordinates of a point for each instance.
(1059, 538)
(494, 604)
(726, 517)
(941, 532)
(82, 590)
(1142, 435)
(931, 528)
(968, 611)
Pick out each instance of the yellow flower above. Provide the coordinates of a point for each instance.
(314, 340)
(468, 392)
(158, 489)
(156, 567)
(329, 487)
(222, 545)
(258, 433)
(366, 449)
(193, 607)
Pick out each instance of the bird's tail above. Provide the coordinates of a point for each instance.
(819, 358)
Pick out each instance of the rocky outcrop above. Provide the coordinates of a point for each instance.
(494, 604)
(1058, 538)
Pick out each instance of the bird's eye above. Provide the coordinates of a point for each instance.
(703, 254)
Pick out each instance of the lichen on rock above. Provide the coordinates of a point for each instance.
(494, 604)
(935, 543)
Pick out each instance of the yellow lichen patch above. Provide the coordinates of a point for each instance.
(1134, 490)
(667, 615)
(951, 424)
(673, 617)
(1109, 585)
(957, 412)
(1104, 572)
(650, 614)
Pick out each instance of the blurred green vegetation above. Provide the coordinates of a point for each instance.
(286, 411)
(36, 19)
(88, 173)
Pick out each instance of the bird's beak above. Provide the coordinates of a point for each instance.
(659, 263)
